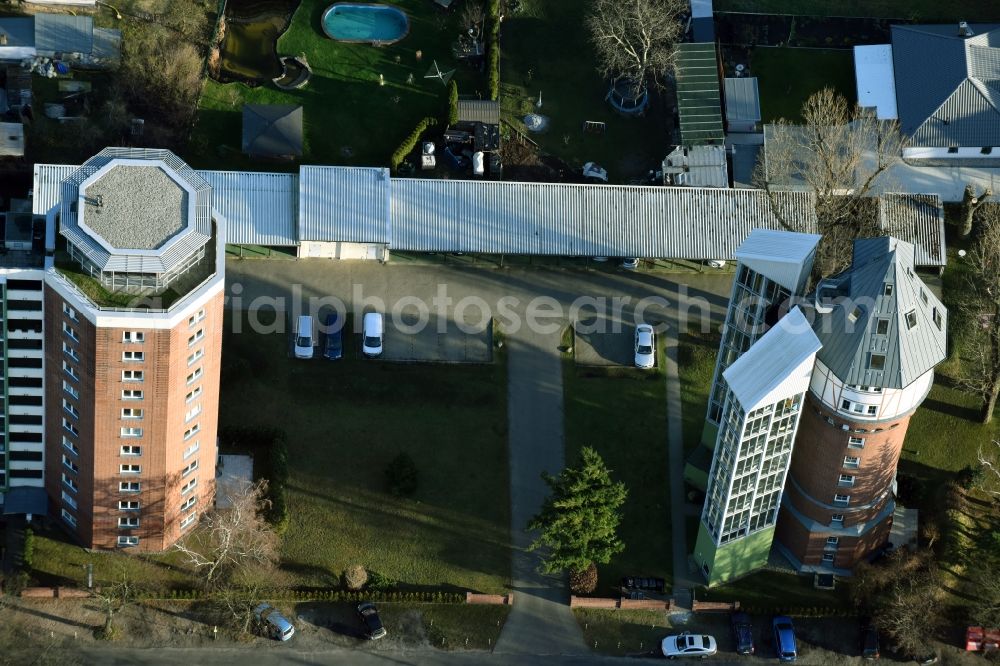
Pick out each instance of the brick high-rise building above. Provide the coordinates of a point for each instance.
(119, 365)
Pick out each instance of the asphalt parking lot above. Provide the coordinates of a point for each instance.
(602, 341)
(454, 342)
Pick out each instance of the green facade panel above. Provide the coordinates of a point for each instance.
(733, 560)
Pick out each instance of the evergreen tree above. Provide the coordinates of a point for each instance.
(578, 522)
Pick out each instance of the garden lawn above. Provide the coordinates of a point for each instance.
(918, 10)
(787, 77)
(772, 592)
(696, 354)
(349, 119)
(345, 421)
(621, 413)
(622, 632)
(545, 49)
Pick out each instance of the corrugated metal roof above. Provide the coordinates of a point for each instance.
(46, 188)
(742, 99)
(260, 208)
(344, 204)
(947, 85)
(479, 111)
(699, 105)
(756, 379)
(876, 84)
(909, 349)
(917, 219)
(784, 257)
(64, 33)
(580, 220)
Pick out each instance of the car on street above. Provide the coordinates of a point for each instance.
(784, 638)
(371, 623)
(334, 347)
(869, 640)
(645, 346)
(304, 337)
(688, 645)
(273, 624)
(742, 632)
(372, 332)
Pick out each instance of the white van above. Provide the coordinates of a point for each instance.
(371, 345)
(305, 337)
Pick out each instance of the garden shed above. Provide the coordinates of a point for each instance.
(272, 130)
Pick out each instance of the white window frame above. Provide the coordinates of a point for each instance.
(128, 541)
(189, 520)
(70, 446)
(197, 317)
(852, 462)
(130, 468)
(70, 409)
(71, 390)
(129, 486)
(69, 518)
(195, 356)
(828, 558)
(129, 505)
(70, 465)
(133, 356)
(69, 351)
(131, 394)
(70, 371)
(133, 337)
(856, 442)
(128, 522)
(188, 503)
(837, 519)
(70, 482)
(132, 413)
(191, 450)
(69, 500)
(832, 541)
(196, 337)
(192, 413)
(846, 480)
(70, 332)
(841, 500)
(189, 486)
(131, 432)
(192, 431)
(194, 376)
(192, 394)
(69, 312)
(70, 428)
(130, 450)
(132, 375)
(192, 466)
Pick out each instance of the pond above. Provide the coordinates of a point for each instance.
(248, 52)
(376, 24)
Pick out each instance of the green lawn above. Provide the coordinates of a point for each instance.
(622, 632)
(344, 422)
(787, 77)
(348, 117)
(459, 627)
(772, 592)
(925, 10)
(696, 353)
(622, 414)
(545, 48)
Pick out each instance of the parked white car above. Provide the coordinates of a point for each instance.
(630, 263)
(305, 338)
(372, 332)
(645, 346)
(688, 645)
(717, 263)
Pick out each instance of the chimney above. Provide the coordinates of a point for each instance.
(964, 30)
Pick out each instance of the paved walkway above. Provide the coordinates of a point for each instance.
(540, 622)
(683, 583)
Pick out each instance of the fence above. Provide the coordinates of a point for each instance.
(619, 604)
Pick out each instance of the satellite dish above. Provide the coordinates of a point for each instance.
(962, 253)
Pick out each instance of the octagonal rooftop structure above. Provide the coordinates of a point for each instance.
(136, 211)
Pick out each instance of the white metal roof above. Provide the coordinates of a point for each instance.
(578, 220)
(777, 366)
(47, 185)
(785, 257)
(873, 73)
(260, 208)
(344, 204)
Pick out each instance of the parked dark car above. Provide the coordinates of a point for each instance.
(869, 641)
(784, 638)
(334, 346)
(742, 633)
(370, 621)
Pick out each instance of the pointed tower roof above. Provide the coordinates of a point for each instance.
(879, 323)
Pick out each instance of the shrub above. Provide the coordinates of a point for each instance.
(493, 50)
(452, 102)
(267, 445)
(585, 581)
(379, 582)
(970, 476)
(411, 141)
(355, 577)
(28, 557)
(401, 475)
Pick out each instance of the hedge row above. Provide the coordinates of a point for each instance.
(411, 141)
(452, 102)
(270, 454)
(493, 49)
(314, 595)
(800, 611)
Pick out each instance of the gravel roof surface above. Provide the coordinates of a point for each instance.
(141, 207)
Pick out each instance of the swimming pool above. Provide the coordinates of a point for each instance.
(376, 24)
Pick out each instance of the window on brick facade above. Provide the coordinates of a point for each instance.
(70, 409)
(71, 390)
(133, 356)
(841, 499)
(69, 482)
(69, 427)
(70, 370)
(69, 351)
(828, 558)
(131, 394)
(189, 521)
(126, 541)
(68, 517)
(131, 450)
(129, 522)
(128, 505)
(68, 500)
(131, 413)
(191, 413)
(190, 468)
(195, 357)
(195, 318)
(188, 503)
(192, 394)
(131, 375)
(852, 462)
(837, 520)
(69, 464)
(70, 332)
(130, 469)
(832, 541)
(191, 450)
(129, 486)
(70, 446)
(69, 312)
(856, 442)
(189, 486)
(192, 431)
(196, 337)
(133, 337)
(131, 432)
(194, 376)
(846, 480)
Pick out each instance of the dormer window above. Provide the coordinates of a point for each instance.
(936, 316)
(876, 362)
(882, 327)
(911, 319)
(854, 314)
(923, 296)
(887, 289)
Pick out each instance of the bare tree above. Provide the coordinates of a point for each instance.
(841, 155)
(472, 17)
(113, 599)
(979, 312)
(910, 612)
(635, 39)
(970, 204)
(989, 462)
(232, 540)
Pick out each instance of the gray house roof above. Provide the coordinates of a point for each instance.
(881, 286)
(742, 99)
(478, 111)
(699, 103)
(64, 33)
(272, 130)
(947, 85)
